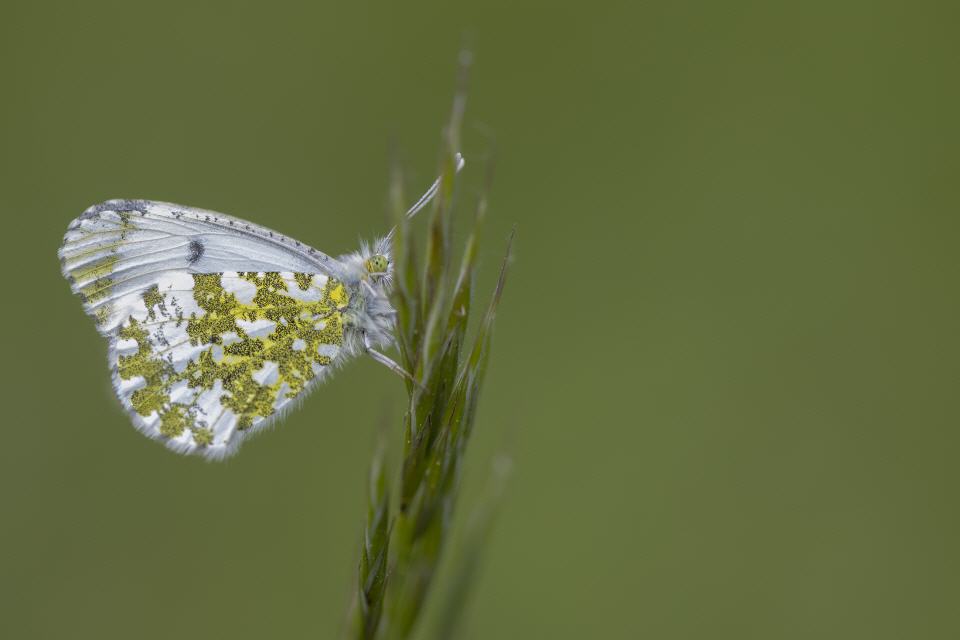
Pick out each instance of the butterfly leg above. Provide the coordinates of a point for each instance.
(386, 361)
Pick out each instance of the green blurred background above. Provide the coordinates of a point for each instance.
(726, 366)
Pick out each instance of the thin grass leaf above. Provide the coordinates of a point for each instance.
(471, 376)
(469, 561)
(374, 554)
(436, 270)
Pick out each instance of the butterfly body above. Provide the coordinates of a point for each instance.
(216, 325)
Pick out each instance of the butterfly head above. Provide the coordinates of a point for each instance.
(377, 265)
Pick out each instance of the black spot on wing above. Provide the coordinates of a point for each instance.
(196, 251)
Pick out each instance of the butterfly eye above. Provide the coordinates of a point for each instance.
(377, 264)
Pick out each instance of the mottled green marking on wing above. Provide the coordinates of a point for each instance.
(153, 298)
(159, 377)
(155, 371)
(98, 272)
(303, 280)
(309, 325)
(95, 264)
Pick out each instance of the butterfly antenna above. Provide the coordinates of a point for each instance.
(424, 200)
(432, 191)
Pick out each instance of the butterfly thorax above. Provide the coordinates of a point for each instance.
(370, 317)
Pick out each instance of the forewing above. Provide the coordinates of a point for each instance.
(122, 247)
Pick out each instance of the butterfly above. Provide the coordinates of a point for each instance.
(217, 325)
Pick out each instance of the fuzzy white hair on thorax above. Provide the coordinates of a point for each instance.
(370, 314)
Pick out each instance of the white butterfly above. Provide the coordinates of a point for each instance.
(216, 324)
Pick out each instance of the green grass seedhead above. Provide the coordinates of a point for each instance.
(433, 297)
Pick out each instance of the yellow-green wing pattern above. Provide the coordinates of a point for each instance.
(204, 360)
(215, 324)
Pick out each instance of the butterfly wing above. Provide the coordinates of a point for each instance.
(120, 247)
(213, 331)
